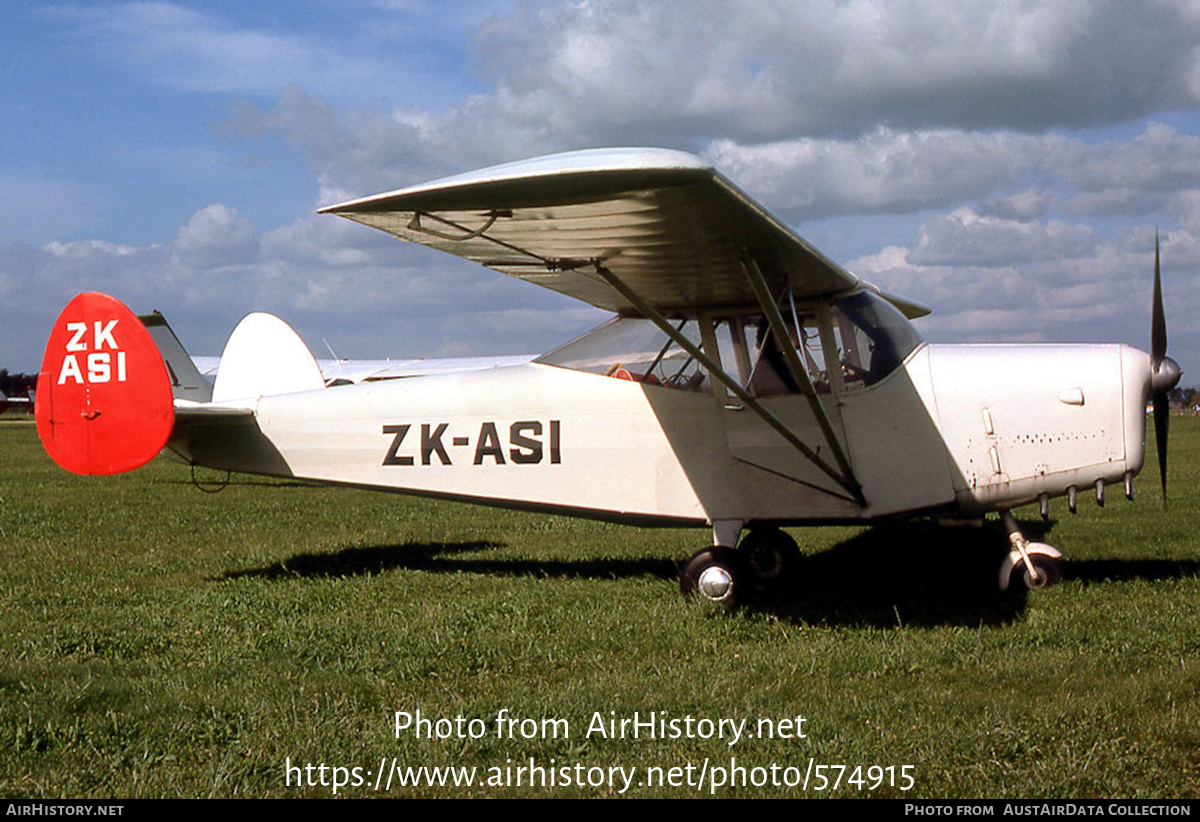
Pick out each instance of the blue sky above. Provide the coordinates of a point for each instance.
(1007, 164)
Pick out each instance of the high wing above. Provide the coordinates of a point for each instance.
(667, 224)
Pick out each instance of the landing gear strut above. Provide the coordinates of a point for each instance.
(1034, 565)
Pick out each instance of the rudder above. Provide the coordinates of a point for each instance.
(103, 403)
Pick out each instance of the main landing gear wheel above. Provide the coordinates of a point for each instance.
(772, 557)
(717, 575)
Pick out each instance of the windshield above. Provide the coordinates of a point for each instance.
(873, 338)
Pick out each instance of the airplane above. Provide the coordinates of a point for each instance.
(745, 382)
(25, 402)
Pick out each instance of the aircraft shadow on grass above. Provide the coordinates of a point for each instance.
(910, 574)
(218, 481)
(440, 558)
(1123, 570)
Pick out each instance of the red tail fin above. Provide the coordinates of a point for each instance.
(103, 400)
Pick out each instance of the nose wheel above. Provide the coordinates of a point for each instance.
(1047, 571)
(1033, 565)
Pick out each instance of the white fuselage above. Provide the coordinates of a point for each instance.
(956, 428)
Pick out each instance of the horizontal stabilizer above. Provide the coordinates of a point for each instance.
(187, 411)
(263, 357)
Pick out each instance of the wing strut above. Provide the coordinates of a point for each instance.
(783, 340)
(649, 312)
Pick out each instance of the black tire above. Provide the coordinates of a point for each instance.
(717, 575)
(771, 556)
(1049, 573)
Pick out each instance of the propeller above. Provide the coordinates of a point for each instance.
(1165, 373)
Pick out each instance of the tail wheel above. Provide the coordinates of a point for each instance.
(717, 575)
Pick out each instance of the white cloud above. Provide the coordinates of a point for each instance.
(898, 171)
(215, 236)
(768, 70)
(990, 279)
(963, 237)
(885, 170)
(768, 76)
(1026, 205)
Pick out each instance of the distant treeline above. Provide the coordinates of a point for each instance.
(15, 385)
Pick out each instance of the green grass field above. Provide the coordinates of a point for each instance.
(156, 641)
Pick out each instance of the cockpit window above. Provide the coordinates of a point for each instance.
(633, 348)
(848, 344)
(771, 374)
(872, 336)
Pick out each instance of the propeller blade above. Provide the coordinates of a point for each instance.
(1162, 419)
(1165, 373)
(1158, 321)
